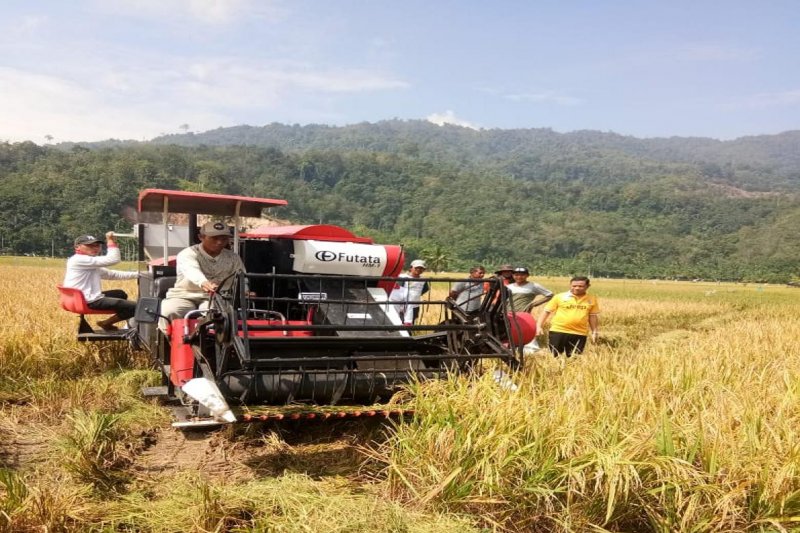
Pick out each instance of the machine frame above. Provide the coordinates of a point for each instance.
(289, 332)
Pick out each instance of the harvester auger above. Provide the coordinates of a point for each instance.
(309, 325)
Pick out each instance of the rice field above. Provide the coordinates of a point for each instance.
(683, 417)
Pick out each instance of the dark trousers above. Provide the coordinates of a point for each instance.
(115, 300)
(566, 343)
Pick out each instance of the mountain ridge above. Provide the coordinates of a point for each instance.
(767, 154)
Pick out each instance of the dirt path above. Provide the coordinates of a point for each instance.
(249, 452)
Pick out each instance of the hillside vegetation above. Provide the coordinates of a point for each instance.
(583, 202)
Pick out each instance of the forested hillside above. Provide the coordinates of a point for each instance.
(758, 163)
(584, 202)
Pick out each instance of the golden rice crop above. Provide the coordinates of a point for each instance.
(73, 426)
(683, 417)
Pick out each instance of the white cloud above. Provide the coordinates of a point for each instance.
(448, 117)
(763, 100)
(29, 24)
(20, 34)
(545, 97)
(333, 80)
(211, 12)
(95, 102)
(35, 105)
(233, 83)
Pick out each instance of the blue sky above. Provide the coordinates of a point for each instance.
(87, 70)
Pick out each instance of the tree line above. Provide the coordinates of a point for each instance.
(563, 206)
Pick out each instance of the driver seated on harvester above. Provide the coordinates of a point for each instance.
(201, 270)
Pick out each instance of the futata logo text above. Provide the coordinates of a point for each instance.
(344, 257)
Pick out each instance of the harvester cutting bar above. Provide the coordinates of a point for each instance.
(326, 415)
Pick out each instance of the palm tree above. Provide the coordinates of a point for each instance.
(436, 258)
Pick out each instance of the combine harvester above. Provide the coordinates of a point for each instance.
(308, 331)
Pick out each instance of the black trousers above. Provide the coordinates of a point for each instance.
(115, 300)
(566, 343)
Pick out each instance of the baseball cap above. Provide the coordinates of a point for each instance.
(521, 270)
(504, 268)
(87, 239)
(215, 228)
(418, 263)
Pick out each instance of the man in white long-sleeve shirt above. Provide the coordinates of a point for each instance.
(86, 268)
(408, 294)
(201, 269)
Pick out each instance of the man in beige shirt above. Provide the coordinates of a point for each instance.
(201, 269)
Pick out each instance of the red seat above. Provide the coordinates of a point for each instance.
(72, 300)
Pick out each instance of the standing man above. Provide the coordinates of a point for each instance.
(409, 293)
(523, 298)
(202, 269)
(468, 293)
(524, 292)
(86, 268)
(575, 316)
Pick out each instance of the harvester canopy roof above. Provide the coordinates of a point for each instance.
(152, 200)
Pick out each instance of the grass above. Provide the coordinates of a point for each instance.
(289, 503)
(91, 450)
(683, 417)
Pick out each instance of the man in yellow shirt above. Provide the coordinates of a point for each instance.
(574, 315)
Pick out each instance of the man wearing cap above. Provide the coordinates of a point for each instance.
(86, 268)
(202, 269)
(408, 293)
(524, 292)
(523, 297)
(575, 316)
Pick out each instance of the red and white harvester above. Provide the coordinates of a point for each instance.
(309, 324)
